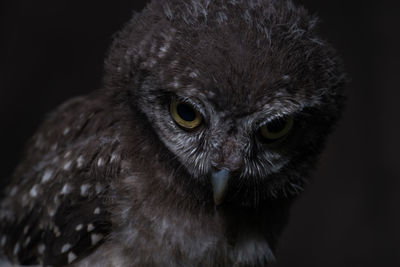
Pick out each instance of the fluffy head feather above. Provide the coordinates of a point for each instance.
(241, 63)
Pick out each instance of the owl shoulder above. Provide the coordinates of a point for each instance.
(54, 210)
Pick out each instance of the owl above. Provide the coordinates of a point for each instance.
(210, 117)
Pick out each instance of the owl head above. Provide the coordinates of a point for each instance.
(242, 94)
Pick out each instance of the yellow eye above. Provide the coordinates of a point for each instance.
(276, 129)
(185, 115)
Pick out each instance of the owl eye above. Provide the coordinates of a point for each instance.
(185, 115)
(276, 129)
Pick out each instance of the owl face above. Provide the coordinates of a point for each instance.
(252, 97)
(256, 146)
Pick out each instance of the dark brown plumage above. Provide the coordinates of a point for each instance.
(211, 116)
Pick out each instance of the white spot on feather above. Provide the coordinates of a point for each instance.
(113, 157)
(16, 249)
(96, 238)
(34, 191)
(3, 240)
(66, 131)
(56, 199)
(65, 248)
(100, 162)
(79, 227)
(67, 165)
(47, 176)
(27, 240)
(13, 191)
(84, 190)
(66, 189)
(79, 161)
(193, 75)
(56, 231)
(51, 212)
(90, 227)
(41, 248)
(71, 257)
(164, 49)
(67, 154)
(96, 210)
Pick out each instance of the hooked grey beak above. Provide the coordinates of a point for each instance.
(219, 182)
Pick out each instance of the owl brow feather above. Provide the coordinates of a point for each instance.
(292, 108)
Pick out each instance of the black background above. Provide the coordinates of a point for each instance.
(348, 216)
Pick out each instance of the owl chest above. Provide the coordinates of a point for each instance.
(170, 242)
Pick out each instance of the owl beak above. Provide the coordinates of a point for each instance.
(219, 182)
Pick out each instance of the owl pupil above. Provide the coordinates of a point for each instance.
(277, 125)
(186, 112)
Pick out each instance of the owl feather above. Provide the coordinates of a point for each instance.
(210, 118)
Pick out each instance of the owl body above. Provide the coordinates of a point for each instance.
(211, 115)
